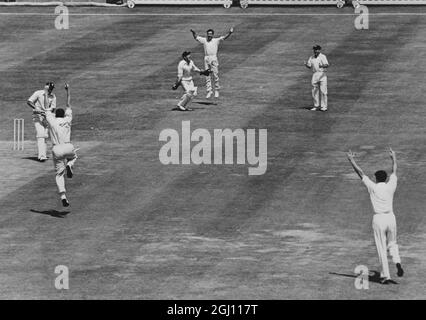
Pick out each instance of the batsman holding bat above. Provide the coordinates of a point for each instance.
(184, 78)
(42, 100)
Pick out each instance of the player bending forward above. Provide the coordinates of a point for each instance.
(184, 78)
(63, 152)
(384, 222)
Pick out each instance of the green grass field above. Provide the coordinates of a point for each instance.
(141, 230)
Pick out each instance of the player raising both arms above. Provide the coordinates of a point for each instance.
(211, 46)
(63, 152)
(384, 222)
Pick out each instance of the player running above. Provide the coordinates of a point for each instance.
(184, 78)
(319, 64)
(42, 100)
(211, 46)
(63, 152)
(384, 222)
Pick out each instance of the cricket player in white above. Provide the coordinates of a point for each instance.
(184, 78)
(63, 152)
(384, 222)
(211, 46)
(42, 100)
(319, 64)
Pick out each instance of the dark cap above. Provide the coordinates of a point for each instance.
(186, 53)
(317, 47)
(381, 176)
(51, 85)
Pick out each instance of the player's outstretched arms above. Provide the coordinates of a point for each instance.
(393, 157)
(356, 168)
(194, 34)
(67, 89)
(205, 72)
(231, 31)
(195, 68)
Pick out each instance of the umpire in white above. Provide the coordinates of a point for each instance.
(319, 64)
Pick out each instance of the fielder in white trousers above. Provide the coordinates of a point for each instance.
(211, 62)
(318, 63)
(384, 222)
(319, 91)
(384, 227)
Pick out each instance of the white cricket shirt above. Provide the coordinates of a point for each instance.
(185, 70)
(60, 128)
(210, 47)
(315, 63)
(381, 194)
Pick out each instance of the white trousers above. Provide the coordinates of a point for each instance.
(319, 90)
(63, 155)
(384, 227)
(42, 133)
(190, 92)
(211, 62)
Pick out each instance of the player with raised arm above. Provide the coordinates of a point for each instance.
(211, 46)
(63, 151)
(384, 222)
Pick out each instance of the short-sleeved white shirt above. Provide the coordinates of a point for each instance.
(381, 194)
(316, 62)
(210, 47)
(185, 70)
(60, 128)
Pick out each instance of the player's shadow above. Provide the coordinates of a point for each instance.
(192, 109)
(31, 158)
(205, 103)
(52, 213)
(373, 276)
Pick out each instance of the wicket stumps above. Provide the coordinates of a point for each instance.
(18, 134)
